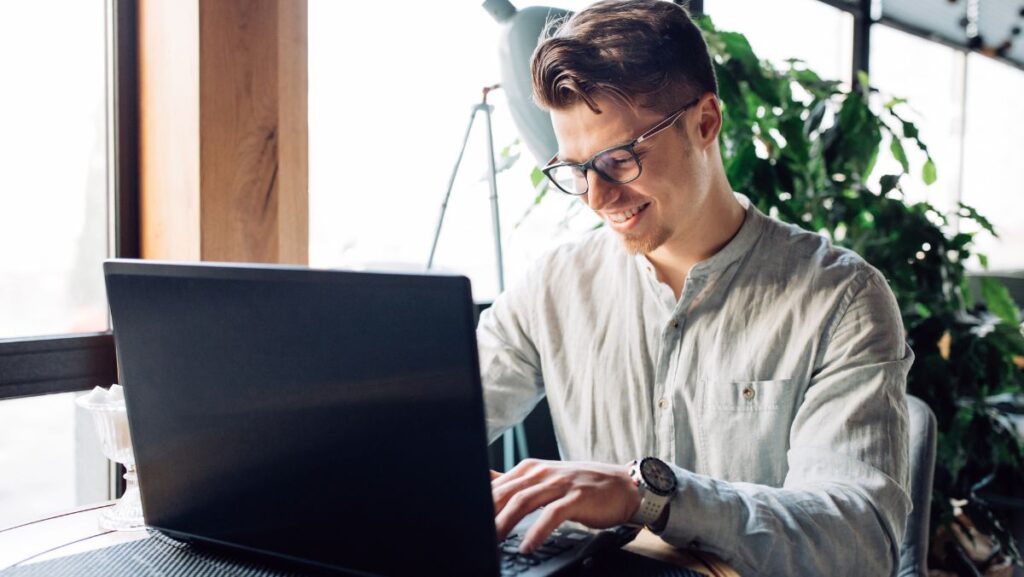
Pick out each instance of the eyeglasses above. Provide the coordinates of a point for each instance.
(617, 165)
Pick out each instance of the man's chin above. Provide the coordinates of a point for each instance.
(643, 243)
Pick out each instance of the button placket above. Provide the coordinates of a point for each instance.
(664, 414)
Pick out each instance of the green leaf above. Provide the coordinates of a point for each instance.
(865, 84)
(889, 182)
(814, 119)
(928, 172)
(998, 300)
(971, 213)
(909, 128)
(536, 176)
(896, 147)
(983, 259)
(740, 168)
(895, 102)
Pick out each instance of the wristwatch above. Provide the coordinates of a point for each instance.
(657, 483)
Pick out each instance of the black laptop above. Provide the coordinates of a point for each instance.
(329, 418)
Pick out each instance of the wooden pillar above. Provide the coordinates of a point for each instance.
(223, 131)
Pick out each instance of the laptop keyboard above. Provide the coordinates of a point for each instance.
(560, 542)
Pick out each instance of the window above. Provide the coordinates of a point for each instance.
(53, 207)
(818, 34)
(389, 102)
(54, 230)
(934, 95)
(993, 179)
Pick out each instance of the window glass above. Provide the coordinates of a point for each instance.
(37, 457)
(993, 149)
(934, 95)
(53, 237)
(390, 97)
(818, 34)
(53, 202)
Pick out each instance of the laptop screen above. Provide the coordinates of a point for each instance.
(325, 416)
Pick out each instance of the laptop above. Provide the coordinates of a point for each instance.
(329, 418)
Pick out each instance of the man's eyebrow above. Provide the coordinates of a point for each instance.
(560, 158)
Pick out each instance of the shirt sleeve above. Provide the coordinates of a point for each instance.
(844, 502)
(509, 361)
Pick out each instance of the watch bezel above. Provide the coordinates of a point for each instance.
(668, 473)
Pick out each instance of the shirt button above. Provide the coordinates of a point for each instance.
(748, 393)
(675, 324)
(663, 404)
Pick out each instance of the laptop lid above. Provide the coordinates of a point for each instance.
(325, 416)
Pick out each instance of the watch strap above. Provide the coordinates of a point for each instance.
(652, 505)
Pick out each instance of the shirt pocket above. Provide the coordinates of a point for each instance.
(744, 429)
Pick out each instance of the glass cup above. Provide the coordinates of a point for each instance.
(111, 419)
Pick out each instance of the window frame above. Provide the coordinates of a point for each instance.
(78, 362)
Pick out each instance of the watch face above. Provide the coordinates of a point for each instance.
(658, 476)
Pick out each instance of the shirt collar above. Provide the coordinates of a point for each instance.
(739, 245)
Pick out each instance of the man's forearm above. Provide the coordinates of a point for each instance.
(822, 530)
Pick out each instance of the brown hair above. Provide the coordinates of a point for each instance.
(641, 52)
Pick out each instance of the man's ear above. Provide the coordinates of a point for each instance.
(709, 120)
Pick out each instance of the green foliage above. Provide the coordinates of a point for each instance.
(803, 150)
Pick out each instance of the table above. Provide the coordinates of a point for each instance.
(78, 531)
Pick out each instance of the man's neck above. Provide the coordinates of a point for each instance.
(718, 224)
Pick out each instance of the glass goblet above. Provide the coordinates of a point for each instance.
(111, 420)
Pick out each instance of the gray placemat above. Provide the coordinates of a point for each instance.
(166, 557)
(157, 555)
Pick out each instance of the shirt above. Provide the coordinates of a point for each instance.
(774, 386)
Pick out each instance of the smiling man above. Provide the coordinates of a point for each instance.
(734, 383)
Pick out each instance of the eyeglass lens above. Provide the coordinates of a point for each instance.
(618, 166)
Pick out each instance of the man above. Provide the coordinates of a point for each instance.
(760, 367)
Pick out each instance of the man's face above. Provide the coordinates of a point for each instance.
(664, 202)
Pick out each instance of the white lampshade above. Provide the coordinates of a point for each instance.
(520, 31)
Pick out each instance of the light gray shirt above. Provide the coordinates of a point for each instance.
(775, 386)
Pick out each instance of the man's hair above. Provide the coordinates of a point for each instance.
(645, 53)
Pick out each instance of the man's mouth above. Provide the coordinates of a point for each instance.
(620, 217)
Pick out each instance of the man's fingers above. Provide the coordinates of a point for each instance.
(506, 491)
(554, 515)
(494, 474)
(521, 469)
(522, 504)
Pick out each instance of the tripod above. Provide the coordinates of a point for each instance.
(516, 438)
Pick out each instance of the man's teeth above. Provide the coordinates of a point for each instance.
(628, 214)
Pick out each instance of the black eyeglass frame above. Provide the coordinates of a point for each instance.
(630, 147)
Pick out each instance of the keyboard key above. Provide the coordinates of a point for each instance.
(549, 550)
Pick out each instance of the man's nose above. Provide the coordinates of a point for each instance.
(600, 192)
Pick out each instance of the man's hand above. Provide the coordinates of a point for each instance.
(595, 494)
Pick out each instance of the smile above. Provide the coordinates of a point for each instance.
(620, 217)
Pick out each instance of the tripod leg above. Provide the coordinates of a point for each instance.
(516, 438)
(448, 193)
(492, 174)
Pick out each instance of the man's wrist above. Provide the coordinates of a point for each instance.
(656, 486)
(662, 521)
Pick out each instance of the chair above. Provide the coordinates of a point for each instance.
(914, 551)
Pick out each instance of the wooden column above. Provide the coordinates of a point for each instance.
(224, 163)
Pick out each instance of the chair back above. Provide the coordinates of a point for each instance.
(914, 551)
